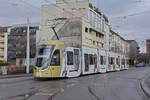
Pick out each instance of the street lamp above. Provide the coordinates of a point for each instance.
(28, 48)
(28, 45)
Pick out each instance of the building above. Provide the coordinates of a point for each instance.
(3, 43)
(86, 22)
(83, 19)
(118, 44)
(148, 46)
(17, 43)
(134, 51)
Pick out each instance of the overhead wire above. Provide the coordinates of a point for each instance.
(29, 4)
(131, 15)
(47, 1)
(55, 6)
(33, 6)
(65, 2)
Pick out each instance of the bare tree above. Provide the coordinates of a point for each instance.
(143, 57)
(17, 42)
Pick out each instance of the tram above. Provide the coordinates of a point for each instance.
(56, 59)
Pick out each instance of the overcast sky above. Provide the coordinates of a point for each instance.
(135, 26)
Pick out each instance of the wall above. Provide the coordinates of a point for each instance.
(60, 10)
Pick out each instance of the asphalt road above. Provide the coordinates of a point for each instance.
(123, 85)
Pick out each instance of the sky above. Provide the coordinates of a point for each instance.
(135, 25)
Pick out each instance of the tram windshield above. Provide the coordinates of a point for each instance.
(45, 50)
(44, 55)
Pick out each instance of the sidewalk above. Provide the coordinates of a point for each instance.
(145, 83)
(16, 76)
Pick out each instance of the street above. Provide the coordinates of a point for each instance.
(123, 85)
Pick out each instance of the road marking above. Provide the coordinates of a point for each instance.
(58, 92)
(51, 94)
(70, 85)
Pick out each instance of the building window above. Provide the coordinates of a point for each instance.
(103, 25)
(102, 45)
(97, 43)
(97, 34)
(86, 29)
(93, 42)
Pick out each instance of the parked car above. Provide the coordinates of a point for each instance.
(140, 65)
(148, 65)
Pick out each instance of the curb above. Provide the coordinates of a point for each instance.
(145, 87)
(15, 76)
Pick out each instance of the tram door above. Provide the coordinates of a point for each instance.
(73, 64)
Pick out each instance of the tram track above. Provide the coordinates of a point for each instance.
(98, 86)
(92, 93)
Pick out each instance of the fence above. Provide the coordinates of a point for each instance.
(9, 70)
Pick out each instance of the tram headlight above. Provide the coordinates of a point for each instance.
(45, 68)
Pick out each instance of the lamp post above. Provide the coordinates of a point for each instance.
(28, 48)
(28, 45)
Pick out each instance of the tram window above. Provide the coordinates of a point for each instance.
(109, 59)
(112, 60)
(104, 60)
(123, 61)
(76, 52)
(117, 60)
(55, 61)
(101, 60)
(127, 61)
(86, 59)
(91, 59)
(41, 51)
(76, 59)
(69, 58)
(39, 62)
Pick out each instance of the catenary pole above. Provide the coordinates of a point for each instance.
(28, 48)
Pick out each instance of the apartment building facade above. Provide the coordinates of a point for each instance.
(3, 44)
(17, 44)
(118, 44)
(148, 46)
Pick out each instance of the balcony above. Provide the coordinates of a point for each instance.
(1, 38)
(1, 45)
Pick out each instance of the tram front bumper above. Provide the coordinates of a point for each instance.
(38, 73)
